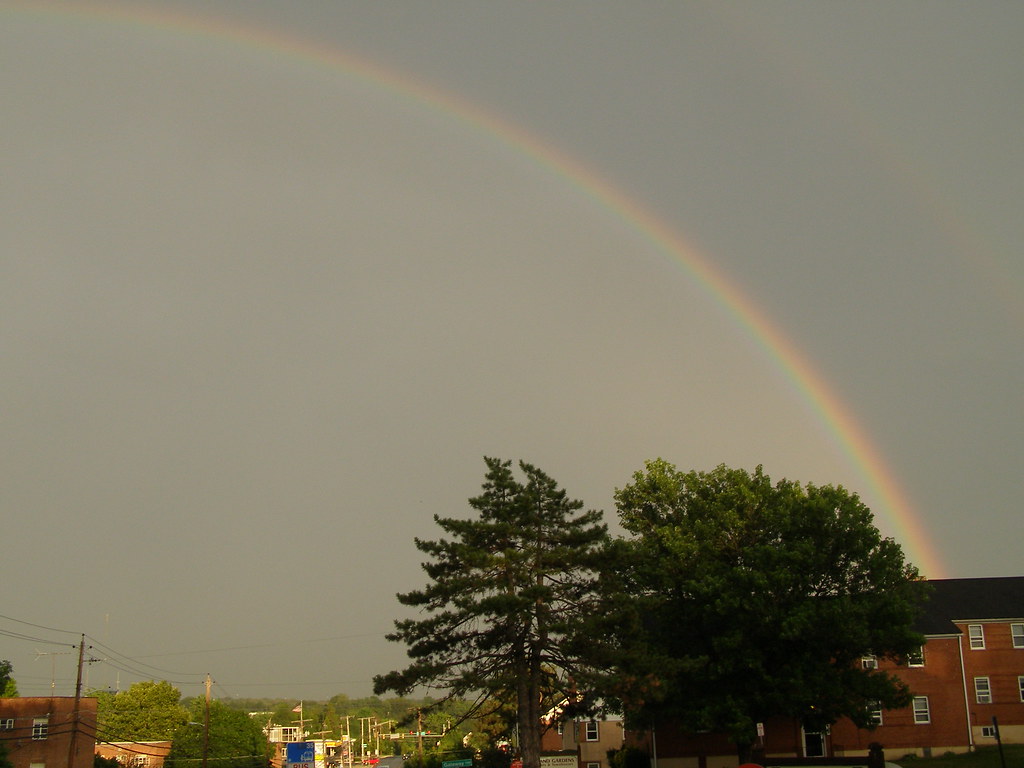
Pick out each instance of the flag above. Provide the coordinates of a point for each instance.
(298, 708)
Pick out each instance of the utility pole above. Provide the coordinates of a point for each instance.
(53, 666)
(364, 735)
(419, 734)
(348, 739)
(206, 723)
(78, 703)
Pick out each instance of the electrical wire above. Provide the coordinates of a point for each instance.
(82, 727)
(38, 626)
(30, 638)
(144, 675)
(135, 660)
(135, 666)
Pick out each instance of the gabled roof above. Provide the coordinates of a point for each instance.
(970, 600)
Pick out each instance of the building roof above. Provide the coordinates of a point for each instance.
(971, 600)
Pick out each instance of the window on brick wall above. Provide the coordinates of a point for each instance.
(869, 662)
(7, 724)
(916, 658)
(1017, 633)
(922, 712)
(982, 690)
(40, 728)
(976, 633)
(593, 733)
(1020, 686)
(875, 713)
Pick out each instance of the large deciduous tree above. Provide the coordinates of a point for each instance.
(508, 590)
(760, 600)
(146, 711)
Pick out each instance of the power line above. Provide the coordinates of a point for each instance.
(135, 660)
(278, 644)
(30, 638)
(38, 626)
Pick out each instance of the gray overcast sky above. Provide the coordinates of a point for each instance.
(262, 315)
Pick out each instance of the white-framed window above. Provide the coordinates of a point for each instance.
(7, 724)
(869, 662)
(982, 690)
(40, 728)
(875, 713)
(1017, 635)
(593, 765)
(138, 761)
(593, 732)
(988, 731)
(916, 658)
(976, 633)
(1020, 686)
(560, 727)
(814, 744)
(922, 712)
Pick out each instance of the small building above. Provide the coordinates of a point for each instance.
(593, 740)
(588, 740)
(135, 754)
(49, 731)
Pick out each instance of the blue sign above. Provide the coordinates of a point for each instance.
(299, 752)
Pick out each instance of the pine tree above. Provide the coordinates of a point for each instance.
(509, 589)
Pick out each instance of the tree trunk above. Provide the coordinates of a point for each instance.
(529, 726)
(744, 750)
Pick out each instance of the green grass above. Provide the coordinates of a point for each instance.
(983, 757)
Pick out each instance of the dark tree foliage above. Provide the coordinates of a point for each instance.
(507, 593)
(8, 688)
(757, 600)
(235, 740)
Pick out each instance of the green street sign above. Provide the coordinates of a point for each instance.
(466, 762)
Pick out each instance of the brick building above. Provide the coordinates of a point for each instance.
(135, 754)
(46, 732)
(969, 671)
(590, 740)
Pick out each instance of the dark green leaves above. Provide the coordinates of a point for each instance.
(761, 597)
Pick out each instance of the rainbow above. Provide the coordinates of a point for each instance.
(844, 429)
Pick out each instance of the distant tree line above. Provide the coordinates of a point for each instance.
(155, 711)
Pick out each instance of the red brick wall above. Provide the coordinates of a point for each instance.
(940, 680)
(53, 751)
(1002, 664)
